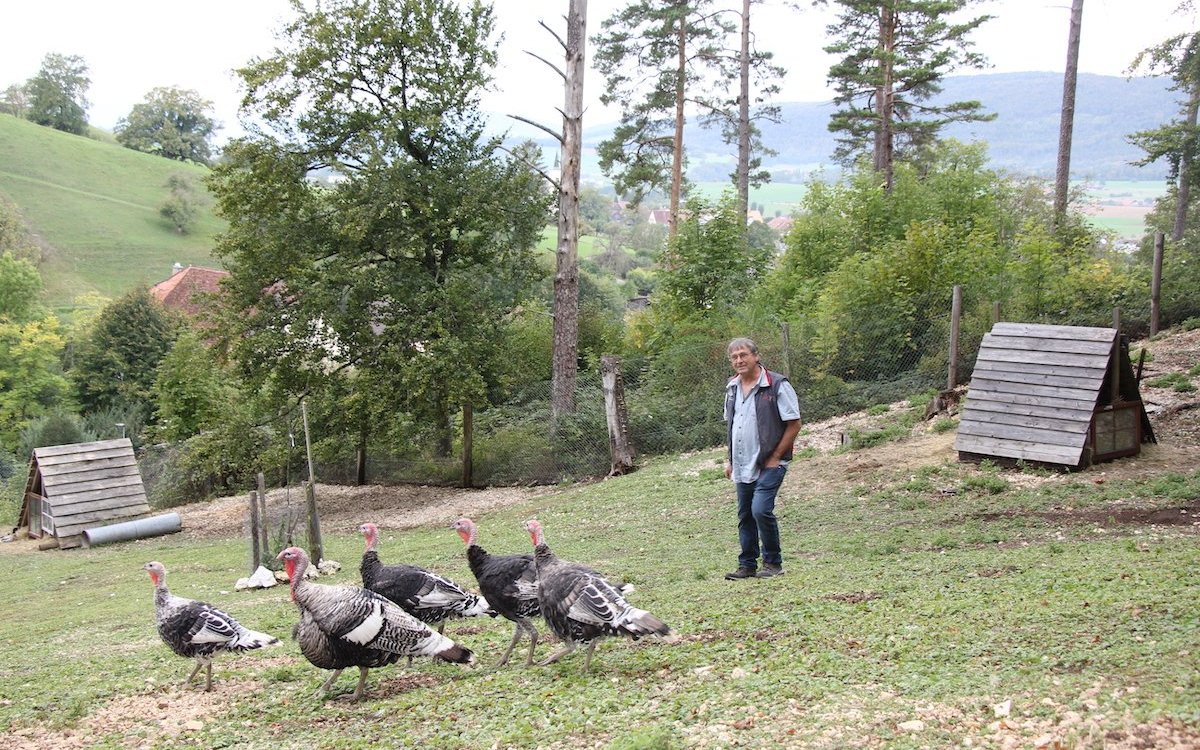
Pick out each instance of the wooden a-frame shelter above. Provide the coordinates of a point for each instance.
(1063, 396)
(81, 486)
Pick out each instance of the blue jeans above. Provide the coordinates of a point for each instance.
(756, 518)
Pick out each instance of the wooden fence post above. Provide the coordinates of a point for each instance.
(955, 322)
(786, 334)
(256, 550)
(1114, 367)
(468, 464)
(262, 519)
(317, 551)
(1156, 282)
(995, 313)
(617, 415)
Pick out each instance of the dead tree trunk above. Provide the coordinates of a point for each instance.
(1183, 192)
(677, 154)
(617, 415)
(885, 97)
(566, 275)
(1067, 119)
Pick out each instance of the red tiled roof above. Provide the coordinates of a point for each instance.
(179, 292)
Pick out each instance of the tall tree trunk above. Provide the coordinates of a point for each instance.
(566, 275)
(885, 94)
(677, 155)
(743, 124)
(1066, 125)
(1184, 190)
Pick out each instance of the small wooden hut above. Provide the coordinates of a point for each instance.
(1064, 396)
(81, 486)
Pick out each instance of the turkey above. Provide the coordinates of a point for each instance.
(196, 630)
(345, 626)
(509, 582)
(580, 606)
(426, 596)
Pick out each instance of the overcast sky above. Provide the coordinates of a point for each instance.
(132, 46)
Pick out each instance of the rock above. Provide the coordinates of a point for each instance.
(328, 567)
(1002, 709)
(913, 725)
(192, 725)
(261, 579)
(737, 673)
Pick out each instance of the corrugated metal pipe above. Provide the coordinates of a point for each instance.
(142, 528)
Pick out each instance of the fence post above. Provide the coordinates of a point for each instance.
(995, 313)
(468, 466)
(1156, 282)
(786, 334)
(307, 443)
(955, 320)
(262, 518)
(616, 414)
(1114, 366)
(255, 538)
(317, 551)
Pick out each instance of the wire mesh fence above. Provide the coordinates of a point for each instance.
(673, 397)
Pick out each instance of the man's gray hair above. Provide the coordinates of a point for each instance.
(742, 343)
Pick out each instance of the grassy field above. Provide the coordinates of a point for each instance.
(922, 596)
(94, 205)
(773, 199)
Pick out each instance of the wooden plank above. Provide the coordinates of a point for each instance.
(1037, 378)
(1047, 358)
(1026, 343)
(1022, 398)
(74, 448)
(1041, 422)
(1038, 330)
(53, 461)
(70, 542)
(1018, 450)
(977, 403)
(118, 462)
(1095, 373)
(77, 523)
(1075, 398)
(69, 489)
(1025, 434)
(115, 501)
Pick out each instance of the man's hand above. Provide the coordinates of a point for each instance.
(728, 469)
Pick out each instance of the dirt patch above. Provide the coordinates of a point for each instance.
(1185, 515)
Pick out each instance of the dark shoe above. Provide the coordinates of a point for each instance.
(769, 570)
(740, 573)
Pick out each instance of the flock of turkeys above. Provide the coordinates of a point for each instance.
(398, 607)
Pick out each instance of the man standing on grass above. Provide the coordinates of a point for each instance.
(763, 415)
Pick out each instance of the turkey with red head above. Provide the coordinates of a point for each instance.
(197, 630)
(509, 582)
(427, 596)
(346, 626)
(581, 606)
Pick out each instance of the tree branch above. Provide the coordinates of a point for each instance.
(553, 133)
(549, 64)
(531, 165)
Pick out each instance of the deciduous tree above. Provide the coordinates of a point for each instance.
(405, 268)
(172, 122)
(58, 93)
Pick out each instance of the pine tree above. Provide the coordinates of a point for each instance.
(894, 55)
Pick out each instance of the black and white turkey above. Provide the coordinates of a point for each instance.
(509, 582)
(581, 606)
(197, 630)
(347, 626)
(427, 596)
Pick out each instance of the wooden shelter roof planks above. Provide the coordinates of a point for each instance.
(87, 484)
(1034, 391)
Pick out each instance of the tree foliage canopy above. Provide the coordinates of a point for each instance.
(172, 122)
(58, 93)
(893, 53)
(408, 262)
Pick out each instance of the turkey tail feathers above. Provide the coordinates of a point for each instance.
(457, 654)
(639, 623)
(252, 639)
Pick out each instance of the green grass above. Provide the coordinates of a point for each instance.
(91, 203)
(774, 198)
(927, 594)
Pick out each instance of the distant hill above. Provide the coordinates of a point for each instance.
(93, 208)
(1023, 138)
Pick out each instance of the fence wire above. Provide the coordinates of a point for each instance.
(674, 401)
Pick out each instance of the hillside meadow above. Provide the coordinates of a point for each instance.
(927, 603)
(93, 208)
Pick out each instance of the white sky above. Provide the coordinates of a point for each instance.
(132, 46)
